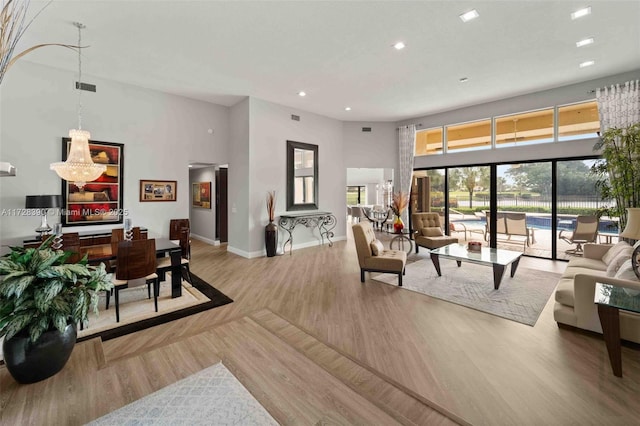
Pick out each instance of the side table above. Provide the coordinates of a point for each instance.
(402, 239)
(610, 300)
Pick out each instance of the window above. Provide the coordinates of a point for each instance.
(469, 136)
(356, 195)
(525, 128)
(429, 141)
(578, 121)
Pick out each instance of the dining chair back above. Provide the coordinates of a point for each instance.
(135, 259)
(175, 225)
(71, 243)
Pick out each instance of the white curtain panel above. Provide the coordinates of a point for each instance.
(407, 144)
(619, 106)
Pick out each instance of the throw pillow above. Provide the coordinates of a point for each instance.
(626, 272)
(616, 262)
(432, 232)
(613, 252)
(376, 247)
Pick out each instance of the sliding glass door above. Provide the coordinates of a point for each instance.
(540, 207)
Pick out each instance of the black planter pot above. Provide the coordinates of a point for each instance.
(31, 362)
(271, 238)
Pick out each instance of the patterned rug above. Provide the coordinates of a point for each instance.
(212, 396)
(521, 298)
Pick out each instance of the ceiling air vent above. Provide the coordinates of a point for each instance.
(86, 86)
(295, 117)
(366, 129)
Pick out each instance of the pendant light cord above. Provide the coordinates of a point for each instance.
(80, 27)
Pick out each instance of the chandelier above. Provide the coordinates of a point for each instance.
(79, 168)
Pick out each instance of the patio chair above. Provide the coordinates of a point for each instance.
(586, 231)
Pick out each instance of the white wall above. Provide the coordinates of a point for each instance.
(160, 133)
(203, 221)
(563, 95)
(238, 179)
(271, 127)
(375, 149)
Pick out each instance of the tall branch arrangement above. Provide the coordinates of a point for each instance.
(400, 202)
(618, 172)
(271, 205)
(13, 24)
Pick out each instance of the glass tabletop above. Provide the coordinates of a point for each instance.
(486, 255)
(617, 297)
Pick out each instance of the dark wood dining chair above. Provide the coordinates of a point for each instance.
(135, 259)
(175, 226)
(71, 243)
(164, 263)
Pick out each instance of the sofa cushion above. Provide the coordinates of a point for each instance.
(432, 232)
(613, 252)
(623, 255)
(389, 260)
(585, 262)
(572, 271)
(376, 247)
(564, 292)
(626, 272)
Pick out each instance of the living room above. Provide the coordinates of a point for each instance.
(480, 369)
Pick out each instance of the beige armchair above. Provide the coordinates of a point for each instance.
(392, 261)
(428, 231)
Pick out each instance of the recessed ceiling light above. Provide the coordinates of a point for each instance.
(581, 12)
(587, 64)
(468, 16)
(301, 93)
(399, 45)
(464, 79)
(585, 42)
(347, 108)
(190, 165)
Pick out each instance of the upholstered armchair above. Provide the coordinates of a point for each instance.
(372, 256)
(427, 231)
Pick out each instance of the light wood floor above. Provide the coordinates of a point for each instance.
(480, 368)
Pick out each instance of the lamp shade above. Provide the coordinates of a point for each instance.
(632, 230)
(43, 201)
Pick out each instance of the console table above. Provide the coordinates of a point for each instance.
(324, 221)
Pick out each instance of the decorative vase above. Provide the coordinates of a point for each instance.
(31, 362)
(398, 225)
(271, 238)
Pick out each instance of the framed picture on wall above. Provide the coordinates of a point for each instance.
(98, 202)
(158, 190)
(201, 195)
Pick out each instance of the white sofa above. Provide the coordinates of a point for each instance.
(576, 289)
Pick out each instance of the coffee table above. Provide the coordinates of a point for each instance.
(497, 258)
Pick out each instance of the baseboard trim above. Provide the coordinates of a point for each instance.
(205, 239)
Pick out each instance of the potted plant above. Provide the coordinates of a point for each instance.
(271, 230)
(42, 299)
(618, 172)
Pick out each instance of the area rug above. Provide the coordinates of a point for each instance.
(521, 298)
(137, 311)
(212, 396)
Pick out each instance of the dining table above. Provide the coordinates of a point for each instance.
(105, 252)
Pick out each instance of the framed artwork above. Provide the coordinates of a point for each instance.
(100, 201)
(201, 195)
(158, 190)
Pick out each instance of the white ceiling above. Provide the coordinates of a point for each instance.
(340, 52)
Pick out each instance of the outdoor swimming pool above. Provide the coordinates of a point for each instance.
(544, 222)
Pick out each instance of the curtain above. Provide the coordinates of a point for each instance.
(619, 106)
(406, 143)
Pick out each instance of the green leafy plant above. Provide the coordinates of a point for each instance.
(618, 172)
(39, 292)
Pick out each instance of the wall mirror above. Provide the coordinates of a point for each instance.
(302, 176)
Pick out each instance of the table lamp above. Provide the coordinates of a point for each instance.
(632, 231)
(43, 203)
